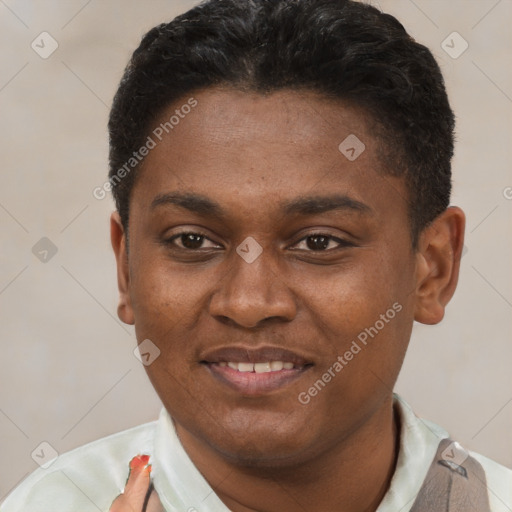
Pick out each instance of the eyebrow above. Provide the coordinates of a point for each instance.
(303, 205)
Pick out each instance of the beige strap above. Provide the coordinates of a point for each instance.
(455, 482)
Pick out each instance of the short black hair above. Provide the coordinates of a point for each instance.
(342, 49)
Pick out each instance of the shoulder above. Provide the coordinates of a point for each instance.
(87, 478)
(420, 445)
(498, 481)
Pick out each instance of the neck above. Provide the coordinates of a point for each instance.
(351, 476)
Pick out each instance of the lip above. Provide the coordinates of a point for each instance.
(242, 354)
(252, 383)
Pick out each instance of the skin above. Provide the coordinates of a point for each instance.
(136, 488)
(249, 153)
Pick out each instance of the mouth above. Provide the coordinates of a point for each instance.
(255, 371)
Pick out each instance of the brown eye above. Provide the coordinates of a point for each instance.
(317, 242)
(321, 242)
(190, 241)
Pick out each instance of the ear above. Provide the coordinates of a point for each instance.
(118, 239)
(438, 263)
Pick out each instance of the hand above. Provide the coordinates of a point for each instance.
(137, 486)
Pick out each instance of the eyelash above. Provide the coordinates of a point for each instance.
(342, 243)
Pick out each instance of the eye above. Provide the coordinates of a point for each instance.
(189, 240)
(315, 242)
(321, 242)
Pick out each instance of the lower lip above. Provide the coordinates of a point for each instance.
(252, 383)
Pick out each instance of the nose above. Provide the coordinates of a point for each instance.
(251, 294)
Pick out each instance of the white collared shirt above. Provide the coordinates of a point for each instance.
(88, 478)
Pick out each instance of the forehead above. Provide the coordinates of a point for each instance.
(242, 147)
(306, 114)
(283, 122)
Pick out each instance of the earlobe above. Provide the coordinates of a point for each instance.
(118, 240)
(438, 263)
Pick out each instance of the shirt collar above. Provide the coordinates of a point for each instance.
(179, 484)
(419, 440)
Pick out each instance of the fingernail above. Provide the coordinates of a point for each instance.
(139, 461)
(135, 463)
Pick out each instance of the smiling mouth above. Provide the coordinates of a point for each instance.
(265, 367)
(254, 372)
(252, 379)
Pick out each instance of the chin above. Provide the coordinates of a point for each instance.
(251, 457)
(265, 450)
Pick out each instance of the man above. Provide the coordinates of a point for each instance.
(281, 171)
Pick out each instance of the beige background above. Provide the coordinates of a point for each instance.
(67, 369)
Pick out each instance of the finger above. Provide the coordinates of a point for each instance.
(121, 504)
(138, 481)
(136, 487)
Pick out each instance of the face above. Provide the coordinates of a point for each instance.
(273, 271)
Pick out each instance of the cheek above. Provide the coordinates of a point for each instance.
(363, 314)
(353, 296)
(164, 296)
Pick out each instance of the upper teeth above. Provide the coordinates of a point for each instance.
(269, 366)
